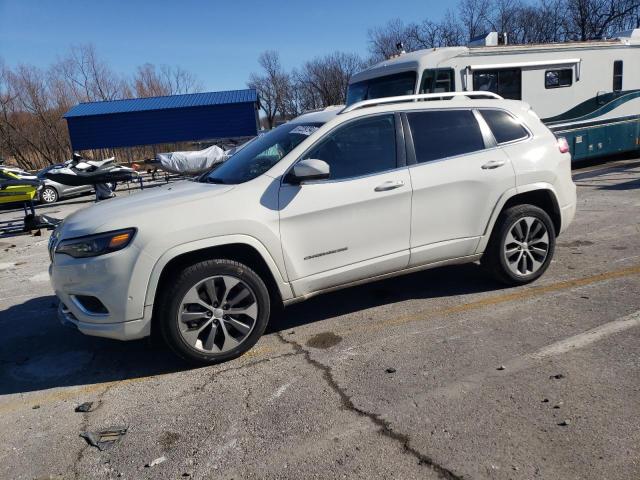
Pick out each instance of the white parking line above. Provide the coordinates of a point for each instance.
(476, 380)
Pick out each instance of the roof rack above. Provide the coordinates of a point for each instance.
(421, 96)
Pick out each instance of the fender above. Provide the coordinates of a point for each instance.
(283, 286)
(512, 192)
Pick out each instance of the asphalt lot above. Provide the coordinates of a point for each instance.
(439, 374)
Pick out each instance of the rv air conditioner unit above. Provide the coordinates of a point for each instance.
(491, 39)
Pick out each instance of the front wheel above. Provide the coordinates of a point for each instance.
(214, 311)
(521, 245)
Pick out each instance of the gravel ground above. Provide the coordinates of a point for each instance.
(438, 374)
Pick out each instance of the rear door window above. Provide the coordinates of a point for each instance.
(441, 134)
(505, 128)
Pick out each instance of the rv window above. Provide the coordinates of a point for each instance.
(437, 80)
(505, 128)
(381, 87)
(506, 83)
(617, 75)
(442, 134)
(558, 78)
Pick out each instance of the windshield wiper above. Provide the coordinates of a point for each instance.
(217, 181)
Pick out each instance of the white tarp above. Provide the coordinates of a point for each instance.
(192, 163)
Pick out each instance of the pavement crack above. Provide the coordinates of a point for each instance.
(384, 427)
(251, 364)
(84, 426)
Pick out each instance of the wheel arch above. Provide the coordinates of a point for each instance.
(541, 195)
(244, 250)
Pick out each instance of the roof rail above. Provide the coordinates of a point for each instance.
(421, 96)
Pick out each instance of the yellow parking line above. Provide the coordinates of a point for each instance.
(68, 393)
(497, 299)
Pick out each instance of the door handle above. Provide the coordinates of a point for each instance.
(493, 164)
(389, 185)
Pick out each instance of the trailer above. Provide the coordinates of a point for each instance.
(587, 92)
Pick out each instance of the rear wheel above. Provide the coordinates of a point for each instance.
(521, 245)
(49, 195)
(215, 311)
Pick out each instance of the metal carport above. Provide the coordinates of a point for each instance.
(169, 119)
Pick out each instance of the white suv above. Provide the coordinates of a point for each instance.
(328, 200)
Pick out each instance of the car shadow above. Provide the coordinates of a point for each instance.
(38, 353)
(630, 185)
(428, 284)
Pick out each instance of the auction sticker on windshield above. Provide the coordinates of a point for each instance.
(304, 129)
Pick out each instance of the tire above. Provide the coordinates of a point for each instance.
(198, 328)
(521, 246)
(49, 195)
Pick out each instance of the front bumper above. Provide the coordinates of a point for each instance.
(108, 278)
(131, 330)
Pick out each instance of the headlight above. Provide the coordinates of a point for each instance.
(94, 245)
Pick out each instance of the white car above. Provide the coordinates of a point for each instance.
(331, 199)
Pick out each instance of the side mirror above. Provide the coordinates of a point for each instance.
(309, 169)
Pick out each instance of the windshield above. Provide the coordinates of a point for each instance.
(381, 87)
(261, 154)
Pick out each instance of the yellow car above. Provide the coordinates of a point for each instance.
(15, 189)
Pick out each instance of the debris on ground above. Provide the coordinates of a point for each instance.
(84, 407)
(104, 439)
(155, 462)
(390, 370)
(557, 376)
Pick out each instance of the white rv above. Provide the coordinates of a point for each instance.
(587, 92)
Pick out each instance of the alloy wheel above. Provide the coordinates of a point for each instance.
(217, 314)
(49, 195)
(526, 246)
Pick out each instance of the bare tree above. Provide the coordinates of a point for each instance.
(383, 40)
(272, 86)
(328, 77)
(150, 81)
(597, 18)
(267, 94)
(33, 101)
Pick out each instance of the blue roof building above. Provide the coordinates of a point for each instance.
(154, 120)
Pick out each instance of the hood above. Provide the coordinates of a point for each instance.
(151, 205)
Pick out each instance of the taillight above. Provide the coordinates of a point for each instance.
(563, 145)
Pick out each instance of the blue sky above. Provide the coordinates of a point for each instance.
(217, 41)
